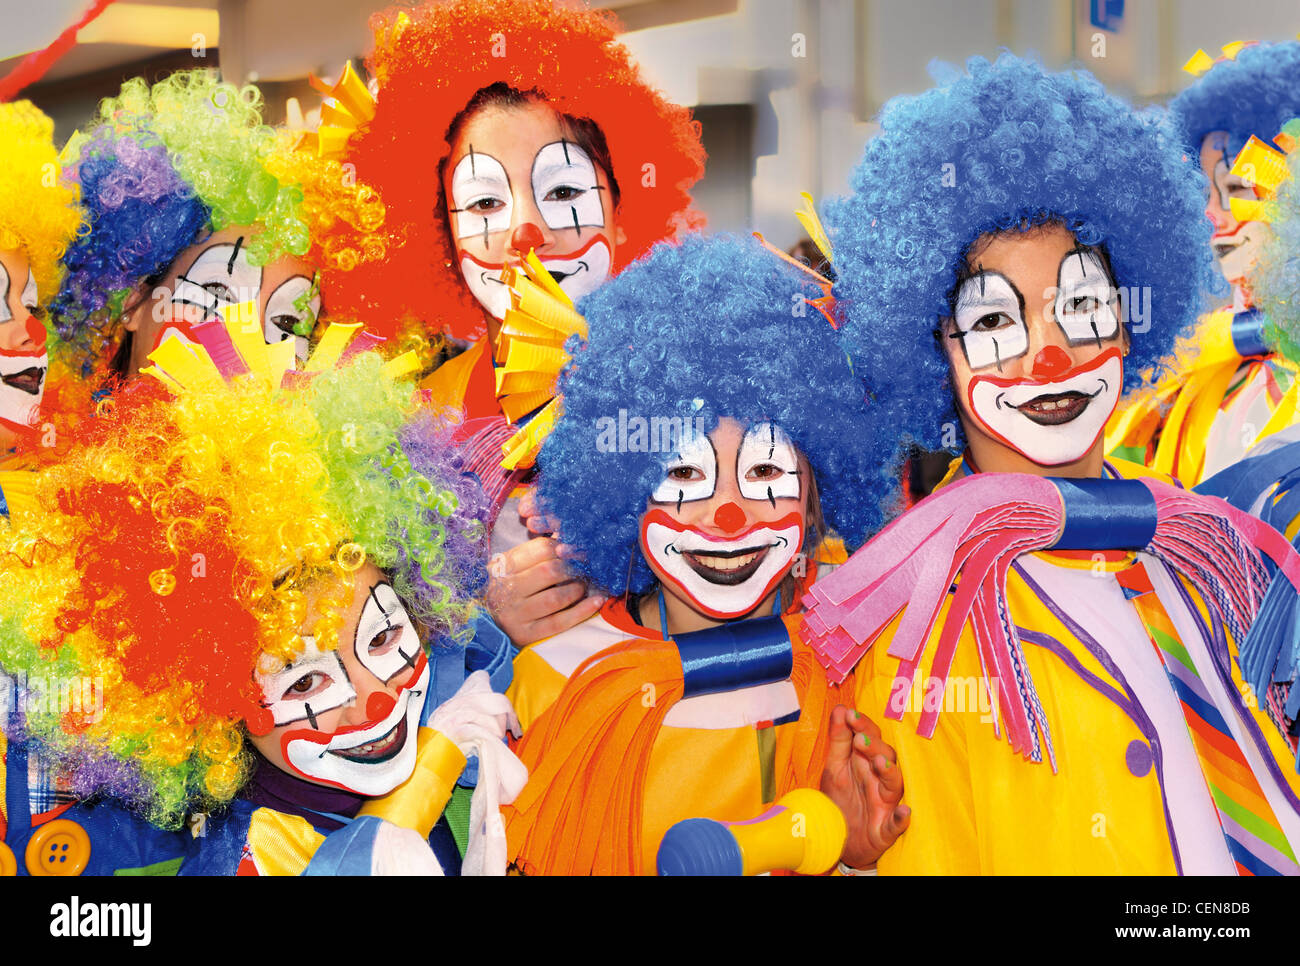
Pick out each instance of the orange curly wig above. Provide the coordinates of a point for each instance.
(429, 63)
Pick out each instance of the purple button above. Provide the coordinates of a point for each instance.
(1139, 757)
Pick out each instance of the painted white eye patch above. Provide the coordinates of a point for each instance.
(1085, 301)
(283, 312)
(564, 187)
(989, 315)
(767, 466)
(480, 195)
(5, 313)
(689, 474)
(385, 642)
(31, 300)
(220, 276)
(310, 686)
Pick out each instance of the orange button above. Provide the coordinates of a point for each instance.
(60, 847)
(8, 864)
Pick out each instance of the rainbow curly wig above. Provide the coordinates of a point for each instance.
(1276, 279)
(163, 166)
(1255, 92)
(179, 540)
(430, 62)
(697, 331)
(38, 207)
(1005, 147)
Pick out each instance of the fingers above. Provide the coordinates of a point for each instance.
(894, 825)
(535, 520)
(891, 779)
(526, 581)
(839, 744)
(528, 503)
(529, 554)
(570, 617)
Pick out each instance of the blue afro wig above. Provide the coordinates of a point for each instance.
(1006, 146)
(1255, 93)
(695, 332)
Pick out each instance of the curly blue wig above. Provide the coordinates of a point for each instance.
(1255, 93)
(698, 331)
(1006, 146)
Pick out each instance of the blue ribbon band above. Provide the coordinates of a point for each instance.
(1106, 514)
(1248, 334)
(738, 654)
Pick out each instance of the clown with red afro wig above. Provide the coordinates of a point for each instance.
(618, 165)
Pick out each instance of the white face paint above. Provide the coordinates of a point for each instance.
(22, 371)
(1085, 302)
(727, 576)
(723, 578)
(563, 182)
(313, 684)
(220, 276)
(31, 301)
(690, 474)
(768, 466)
(385, 641)
(480, 192)
(565, 187)
(990, 320)
(294, 302)
(1050, 423)
(376, 756)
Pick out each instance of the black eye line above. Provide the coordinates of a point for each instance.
(207, 309)
(576, 225)
(1020, 301)
(564, 146)
(230, 265)
(472, 172)
(680, 494)
(311, 716)
(770, 498)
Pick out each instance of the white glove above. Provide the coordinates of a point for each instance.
(476, 719)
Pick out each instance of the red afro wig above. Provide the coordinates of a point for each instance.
(430, 62)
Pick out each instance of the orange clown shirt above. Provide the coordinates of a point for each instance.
(725, 756)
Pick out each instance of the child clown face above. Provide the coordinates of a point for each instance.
(347, 718)
(23, 358)
(214, 274)
(517, 180)
(1037, 346)
(724, 525)
(1236, 243)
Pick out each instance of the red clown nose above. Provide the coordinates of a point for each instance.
(526, 238)
(379, 705)
(729, 518)
(1050, 362)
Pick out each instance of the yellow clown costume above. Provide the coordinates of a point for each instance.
(1123, 793)
(1228, 387)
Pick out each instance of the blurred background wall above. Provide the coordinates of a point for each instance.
(785, 89)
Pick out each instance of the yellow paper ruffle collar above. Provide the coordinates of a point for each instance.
(233, 347)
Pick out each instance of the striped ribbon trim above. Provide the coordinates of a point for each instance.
(1254, 838)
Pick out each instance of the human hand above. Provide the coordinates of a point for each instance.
(862, 777)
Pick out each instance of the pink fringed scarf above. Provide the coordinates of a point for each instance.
(975, 528)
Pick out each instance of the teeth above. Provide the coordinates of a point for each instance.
(725, 563)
